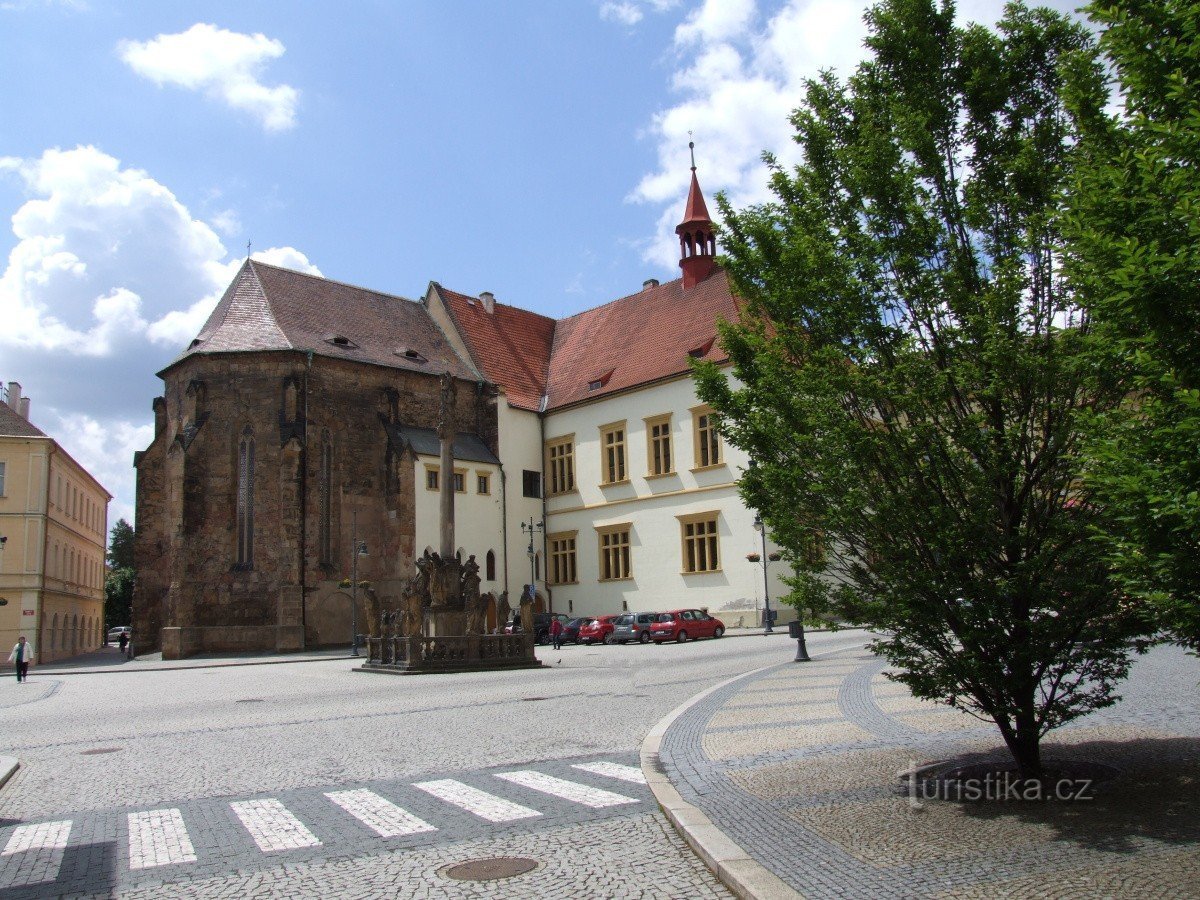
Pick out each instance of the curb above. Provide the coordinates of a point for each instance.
(215, 664)
(747, 878)
(8, 768)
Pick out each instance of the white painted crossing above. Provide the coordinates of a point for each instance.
(596, 798)
(37, 853)
(477, 802)
(272, 826)
(158, 837)
(613, 770)
(379, 814)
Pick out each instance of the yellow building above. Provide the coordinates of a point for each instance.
(53, 528)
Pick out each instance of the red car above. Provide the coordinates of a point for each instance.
(685, 624)
(597, 630)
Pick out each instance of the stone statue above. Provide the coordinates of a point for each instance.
(527, 609)
(503, 612)
(374, 612)
(470, 580)
(477, 613)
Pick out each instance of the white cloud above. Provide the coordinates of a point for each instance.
(740, 71)
(109, 278)
(630, 12)
(227, 222)
(224, 64)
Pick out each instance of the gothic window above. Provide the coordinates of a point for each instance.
(289, 400)
(324, 529)
(245, 499)
(490, 568)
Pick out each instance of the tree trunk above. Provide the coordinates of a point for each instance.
(1025, 743)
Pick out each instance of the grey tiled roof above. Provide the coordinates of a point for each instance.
(269, 308)
(424, 441)
(12, 425)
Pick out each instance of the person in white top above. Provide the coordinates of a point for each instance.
(22, 654)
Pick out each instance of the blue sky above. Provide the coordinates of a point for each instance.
(537, 150)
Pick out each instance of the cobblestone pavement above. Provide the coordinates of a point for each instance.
(799, 764)
(313, 780)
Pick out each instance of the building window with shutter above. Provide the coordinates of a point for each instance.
(615, 562)
(245, 499)
(701, 546)
(560, 465)
(562, 558)
(612, 453)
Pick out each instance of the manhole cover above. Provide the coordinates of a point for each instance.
(250, 700)
(531, 699)
(491, 869)
(100, 750)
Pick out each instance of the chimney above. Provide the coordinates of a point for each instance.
(489, 302)
(13, 398)
(649, 283)
(24, 410)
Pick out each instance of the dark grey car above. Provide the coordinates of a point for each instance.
(633, 627)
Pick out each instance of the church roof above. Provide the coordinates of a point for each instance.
(637, 339)
(696, 209)
(424, 442)
(269, 308)
(510, 345)
(13, 424)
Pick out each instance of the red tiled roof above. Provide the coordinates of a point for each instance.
(696, 209)
(511, 346)
(269, 308)
(638, 339)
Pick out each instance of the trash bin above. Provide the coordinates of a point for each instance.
(794, 630)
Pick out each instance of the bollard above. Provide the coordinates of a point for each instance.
(796, 630)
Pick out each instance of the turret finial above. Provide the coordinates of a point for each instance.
(692, 149)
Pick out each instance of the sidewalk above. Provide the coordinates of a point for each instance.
(109, 660)
(786, 782)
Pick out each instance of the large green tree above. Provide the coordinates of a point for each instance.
(910, 373)
(118, 585)
(1136, 236)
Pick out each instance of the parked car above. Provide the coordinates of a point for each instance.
(572, 628)
(114, 634)
(541, 626)
(685, 624)
(597, 630)
(633, 627)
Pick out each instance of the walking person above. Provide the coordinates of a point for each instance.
(122, 640)
(21, 655)
(556, 632)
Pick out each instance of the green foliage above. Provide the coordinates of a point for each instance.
(118, 584)
(905, 378)
(1136, 230)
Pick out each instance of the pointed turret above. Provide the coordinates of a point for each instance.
(697, 238)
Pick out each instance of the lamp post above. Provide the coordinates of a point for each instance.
(762, 530)
(359, 549)
(532, 529)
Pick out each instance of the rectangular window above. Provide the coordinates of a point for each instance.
(614, 553)
(562, 558)
(460, 481)
(708, 441)
(658, 446)
(701, 552)
(531, 483)
(1, 479)
(483, 483)
(612, 453)
(431, 478)
(560, 465)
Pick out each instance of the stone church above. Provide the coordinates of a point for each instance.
(295, 443)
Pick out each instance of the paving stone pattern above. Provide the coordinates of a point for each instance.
(799, 765)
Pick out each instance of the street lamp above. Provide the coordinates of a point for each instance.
(359, 549)
(762, 530)
(532, 529)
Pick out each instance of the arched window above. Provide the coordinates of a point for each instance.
(245, 499)
(54, 632)
(324, 529)
(490, 569)
(537, 566)
(74, 633)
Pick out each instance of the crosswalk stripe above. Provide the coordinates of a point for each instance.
(272, 826)
(567, 790)
(379, 814)
(477, 802)
(613, 770)
(39, 851)
(158, 837)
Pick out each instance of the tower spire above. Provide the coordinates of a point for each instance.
(697, 237)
